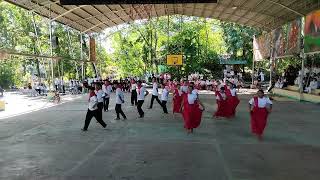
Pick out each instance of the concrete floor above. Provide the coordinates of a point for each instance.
(48, 144)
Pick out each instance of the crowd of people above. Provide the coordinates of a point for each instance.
(292, 77)
(185, 100)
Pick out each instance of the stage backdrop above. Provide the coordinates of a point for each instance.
(312, 32)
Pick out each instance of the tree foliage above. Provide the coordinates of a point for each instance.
(138, 48)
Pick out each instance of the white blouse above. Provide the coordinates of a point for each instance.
(233, 92)
(262, 102)
(164, 95)
(192, 98)
(141, 93)
(92, 103)
(155, 89)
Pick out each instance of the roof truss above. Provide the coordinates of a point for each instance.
(262, 14)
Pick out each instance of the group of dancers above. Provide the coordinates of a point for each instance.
(185, 101)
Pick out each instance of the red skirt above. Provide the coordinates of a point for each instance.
(191, 116)
(224, 109)
(233, 103)
(177, 104)
(258, 120)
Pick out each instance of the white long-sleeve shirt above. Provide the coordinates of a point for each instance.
(119, 96)
(93, 103)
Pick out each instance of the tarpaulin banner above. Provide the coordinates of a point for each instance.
(293, 38)
(312, 32)
(279, 42)
(92, 49)
(262, 47)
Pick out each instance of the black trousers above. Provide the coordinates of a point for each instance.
(90, 115)
(164, 106)
(100, 107)
(139, 107)
(106, 103)
(154, 98)
(134, 100)
(119, 111)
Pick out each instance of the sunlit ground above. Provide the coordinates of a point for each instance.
(17, 104)
(48, 144)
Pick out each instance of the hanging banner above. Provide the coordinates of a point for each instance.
(174, 60)
(312, 32)
(261, 47)
(293, 38)
(92, 49)
(279, 42)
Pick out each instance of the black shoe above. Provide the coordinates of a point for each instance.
(117, 119)
(84, 129)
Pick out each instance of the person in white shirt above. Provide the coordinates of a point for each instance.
(134, 100)
(231, 73)
(225, 73)
(56, 83)
(261, 76)
(313, 85)
(100, 95)
(142, 93)
(155, 93)
(62, 86)
(259, 107)
(119, 102)
(164, 98)
(106, 88)
(184, 88)
(279, 84)
(93, 111)
(191, 109)
(222, 104)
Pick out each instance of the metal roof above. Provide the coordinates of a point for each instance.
(264, 14)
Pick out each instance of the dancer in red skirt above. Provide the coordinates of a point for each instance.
(234, 100)
(191, 110)
(177, 99)
(260, 107)
(224, 109)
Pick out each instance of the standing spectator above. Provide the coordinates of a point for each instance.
(1, 91)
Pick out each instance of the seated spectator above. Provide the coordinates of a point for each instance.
(312, 86)
(279, 84)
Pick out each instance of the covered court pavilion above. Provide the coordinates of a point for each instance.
(48, 144)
